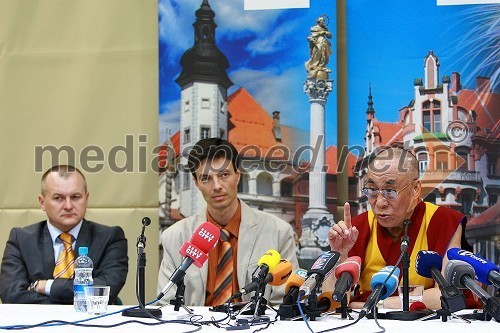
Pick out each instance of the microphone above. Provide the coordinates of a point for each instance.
(429, 265)
(204, 239)
(293, 284)
(383, 284)
(320, 269)
(326, 303)
(266, 264)
(486, 272)
(405, 240)
(278, 277)
(461, 275)
(347, 274)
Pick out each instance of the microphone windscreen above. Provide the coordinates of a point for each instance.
(325, 263)
(205, 237)
(426, 260)
(326, 302)
(189, 250)
(482, 267)
(455, 270)
(296, 279)
(281, 273)
(352, 265)
(271, 258)
(391, 284)
(416, 306)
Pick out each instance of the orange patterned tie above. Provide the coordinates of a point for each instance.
(224, 277)
(64, 265)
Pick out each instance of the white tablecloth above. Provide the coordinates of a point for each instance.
(16, 314)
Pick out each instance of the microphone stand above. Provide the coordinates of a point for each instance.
(344, 309)
(142, 312)
(178, 302)
(405, 315)
(259, 304)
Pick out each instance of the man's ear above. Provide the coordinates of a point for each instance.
(417, 189)
(41, 201)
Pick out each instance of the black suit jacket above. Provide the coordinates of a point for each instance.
(29, 256)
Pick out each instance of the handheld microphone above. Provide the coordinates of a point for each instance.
(326, 303)
(293, 284)
(276, 278)
(204, 239)
(347, 274)
(383, 284)
(266, 264)
(461, 275)
(486, 272)
(320, 269)
(429, 265)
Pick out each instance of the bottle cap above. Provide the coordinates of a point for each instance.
(83, 250)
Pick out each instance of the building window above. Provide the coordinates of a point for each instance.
(466, 203)
(187, 181)
(222, 133)
(431, 197)
(205, 103)
(437, 121)
(431, 116)
(427, 120)
(187, 135)
(186, 106)
(422, 162)
(462, 161)
(222, 107)
(492, 200)
(205, 132)
(286, 188)
(442, 161)
(492, 166)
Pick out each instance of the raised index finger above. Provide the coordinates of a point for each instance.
(347, 215)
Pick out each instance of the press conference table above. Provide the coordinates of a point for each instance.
(15, 314)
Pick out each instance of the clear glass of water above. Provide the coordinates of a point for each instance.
(416, 294)
(97, 298)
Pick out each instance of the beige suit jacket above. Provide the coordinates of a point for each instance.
(259, 232)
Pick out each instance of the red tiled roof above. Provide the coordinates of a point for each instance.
(490, 216)
(388, 132)
(331, 161)
(250, 124)
(487, 107)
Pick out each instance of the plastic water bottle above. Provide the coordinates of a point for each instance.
(83, 277)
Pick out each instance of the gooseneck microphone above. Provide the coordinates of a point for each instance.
(383, 284)
(277, 277)
(429, 265)
(293, 284)
(486, 272)
(266, 264)
(461, 274)
(347, 274)
(319, 271)
(203, 240)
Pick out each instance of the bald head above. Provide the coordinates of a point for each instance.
(402, 159)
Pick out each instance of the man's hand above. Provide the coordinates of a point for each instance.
(343, 235)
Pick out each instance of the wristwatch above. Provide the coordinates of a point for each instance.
(33, 285)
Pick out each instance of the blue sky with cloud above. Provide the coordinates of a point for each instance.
(266, 49)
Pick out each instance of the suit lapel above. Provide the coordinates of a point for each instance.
(246, 242)
(47, 251)
(83, 238)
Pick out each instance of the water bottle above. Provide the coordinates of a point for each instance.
(83, 277)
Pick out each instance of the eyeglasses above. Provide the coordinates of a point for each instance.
(388, 194)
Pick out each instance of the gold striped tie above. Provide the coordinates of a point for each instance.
(224, 277)
(64, 265)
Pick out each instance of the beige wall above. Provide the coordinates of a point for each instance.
(77, 74)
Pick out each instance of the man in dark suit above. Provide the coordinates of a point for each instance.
(31, 253)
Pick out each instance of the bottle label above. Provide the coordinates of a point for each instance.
(78, 288)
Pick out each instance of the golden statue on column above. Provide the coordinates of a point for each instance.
(320, 49)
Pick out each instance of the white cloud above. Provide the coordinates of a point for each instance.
(270, 43)
(169, 118)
